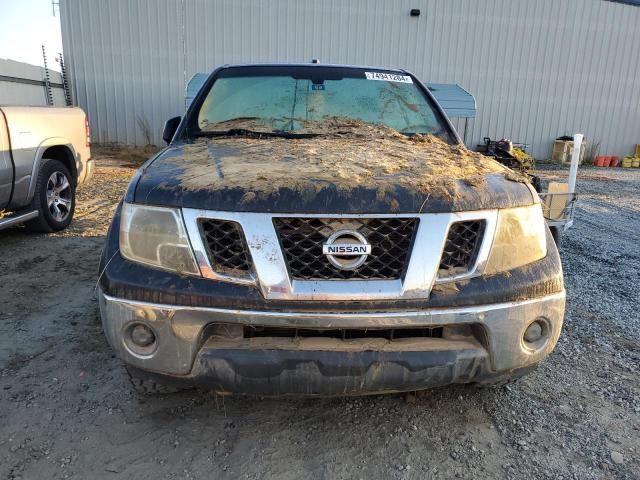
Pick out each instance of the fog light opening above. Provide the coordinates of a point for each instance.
(142, 336)
(537, 333)
(140, 339)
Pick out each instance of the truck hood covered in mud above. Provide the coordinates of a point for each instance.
(367, 172)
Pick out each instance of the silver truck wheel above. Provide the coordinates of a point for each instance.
(59, 196)
(54, 198)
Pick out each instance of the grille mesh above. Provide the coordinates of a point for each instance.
(391, 240)
(461, 249)
(226, 245)
(343, 334)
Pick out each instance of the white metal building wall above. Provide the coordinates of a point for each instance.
(538, 68)
(18, 84)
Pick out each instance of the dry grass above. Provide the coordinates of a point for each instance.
(591, 152)
(134, 156)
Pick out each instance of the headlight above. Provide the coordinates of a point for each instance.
(520, 239)
(157, 237)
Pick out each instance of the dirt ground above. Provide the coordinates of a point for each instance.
(66, 410)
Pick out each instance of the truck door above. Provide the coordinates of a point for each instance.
(6, 166)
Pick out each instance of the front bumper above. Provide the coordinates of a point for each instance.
(478, 343)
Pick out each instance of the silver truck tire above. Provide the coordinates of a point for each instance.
(54, 198)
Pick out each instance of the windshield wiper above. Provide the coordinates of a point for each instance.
(245, 132)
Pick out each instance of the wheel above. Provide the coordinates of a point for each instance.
(54, 198)
(557, 236)
(147, 384)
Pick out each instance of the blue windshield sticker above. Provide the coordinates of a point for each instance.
(317, 86)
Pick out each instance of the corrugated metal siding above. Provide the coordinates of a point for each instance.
(537, 69)
(15, 92)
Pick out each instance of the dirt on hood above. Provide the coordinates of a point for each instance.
(340, 166)
(345, 154)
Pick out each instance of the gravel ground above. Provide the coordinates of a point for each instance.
(66, 410)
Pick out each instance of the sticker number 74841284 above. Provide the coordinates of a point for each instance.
(388, 77)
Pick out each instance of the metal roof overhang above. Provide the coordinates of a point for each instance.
(454, 100)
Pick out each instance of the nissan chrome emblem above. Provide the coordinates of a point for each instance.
(346, 249)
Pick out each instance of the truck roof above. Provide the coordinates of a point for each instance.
(316, 65)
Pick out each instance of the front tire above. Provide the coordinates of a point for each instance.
(54, 198)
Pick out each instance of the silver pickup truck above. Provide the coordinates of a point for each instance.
(44, 154)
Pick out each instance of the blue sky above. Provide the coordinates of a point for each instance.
(24, 26)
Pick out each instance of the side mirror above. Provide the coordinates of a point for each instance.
(170, 127)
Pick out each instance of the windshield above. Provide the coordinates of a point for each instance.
(282, 103)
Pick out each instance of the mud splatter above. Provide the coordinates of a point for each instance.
(344, 155)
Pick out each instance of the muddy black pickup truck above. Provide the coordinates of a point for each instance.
(322, 230)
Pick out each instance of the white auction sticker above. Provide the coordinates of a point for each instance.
(388, 77)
